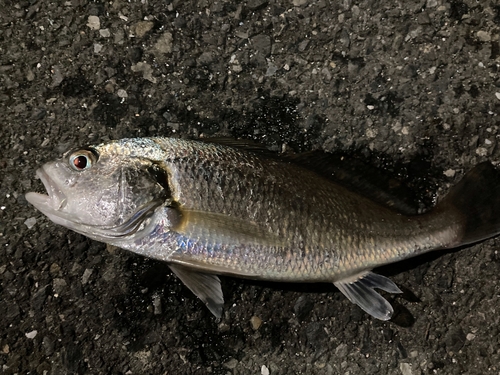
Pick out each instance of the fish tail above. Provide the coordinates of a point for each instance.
(474, 202)
(477, 199)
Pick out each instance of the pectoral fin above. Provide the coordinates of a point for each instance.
(359, 289)
(223, 229)
(205, 286)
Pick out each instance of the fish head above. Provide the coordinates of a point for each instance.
(100, 193)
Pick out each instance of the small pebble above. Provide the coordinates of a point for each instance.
(30, 223)
(231, 364)
(122, 93)
(86, 275)
(413, 354)
(271, 69)
(157, 310)
(481, 151)
(105, 33)
(264, 370)
(54, 268)
(142, 28)
(371, 133)
(94, 23)
(97, 48)
(405, 368)
(145, 68)
(449, 173)
(483, 36)
(256, 322)
(58, 285)
(31, 335)
(164, 43)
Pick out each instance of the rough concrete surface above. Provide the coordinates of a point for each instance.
(409, 86)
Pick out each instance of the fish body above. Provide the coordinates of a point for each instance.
(210, 209)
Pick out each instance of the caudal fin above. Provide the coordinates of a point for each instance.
(477, 198)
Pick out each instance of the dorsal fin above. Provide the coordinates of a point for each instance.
(243, 144)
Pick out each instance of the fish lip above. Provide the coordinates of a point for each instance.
(55, 199)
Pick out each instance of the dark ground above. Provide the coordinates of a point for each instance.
(411, 87)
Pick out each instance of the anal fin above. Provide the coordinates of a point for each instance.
(359, 289)
(205, 286)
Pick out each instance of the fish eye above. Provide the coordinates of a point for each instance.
(82, 159)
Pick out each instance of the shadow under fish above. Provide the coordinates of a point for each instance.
(224, 208)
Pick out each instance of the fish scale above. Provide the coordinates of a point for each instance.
(209, 209)
(338, 231)
(340, 222)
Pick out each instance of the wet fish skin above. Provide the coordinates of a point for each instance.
(221, 210)
(313, 220)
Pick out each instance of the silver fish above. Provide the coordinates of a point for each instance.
(209, 209)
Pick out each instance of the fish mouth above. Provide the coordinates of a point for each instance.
(54, 200)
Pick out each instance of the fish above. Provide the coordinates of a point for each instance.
(215, 208)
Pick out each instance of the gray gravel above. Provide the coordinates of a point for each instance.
(412, 87)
